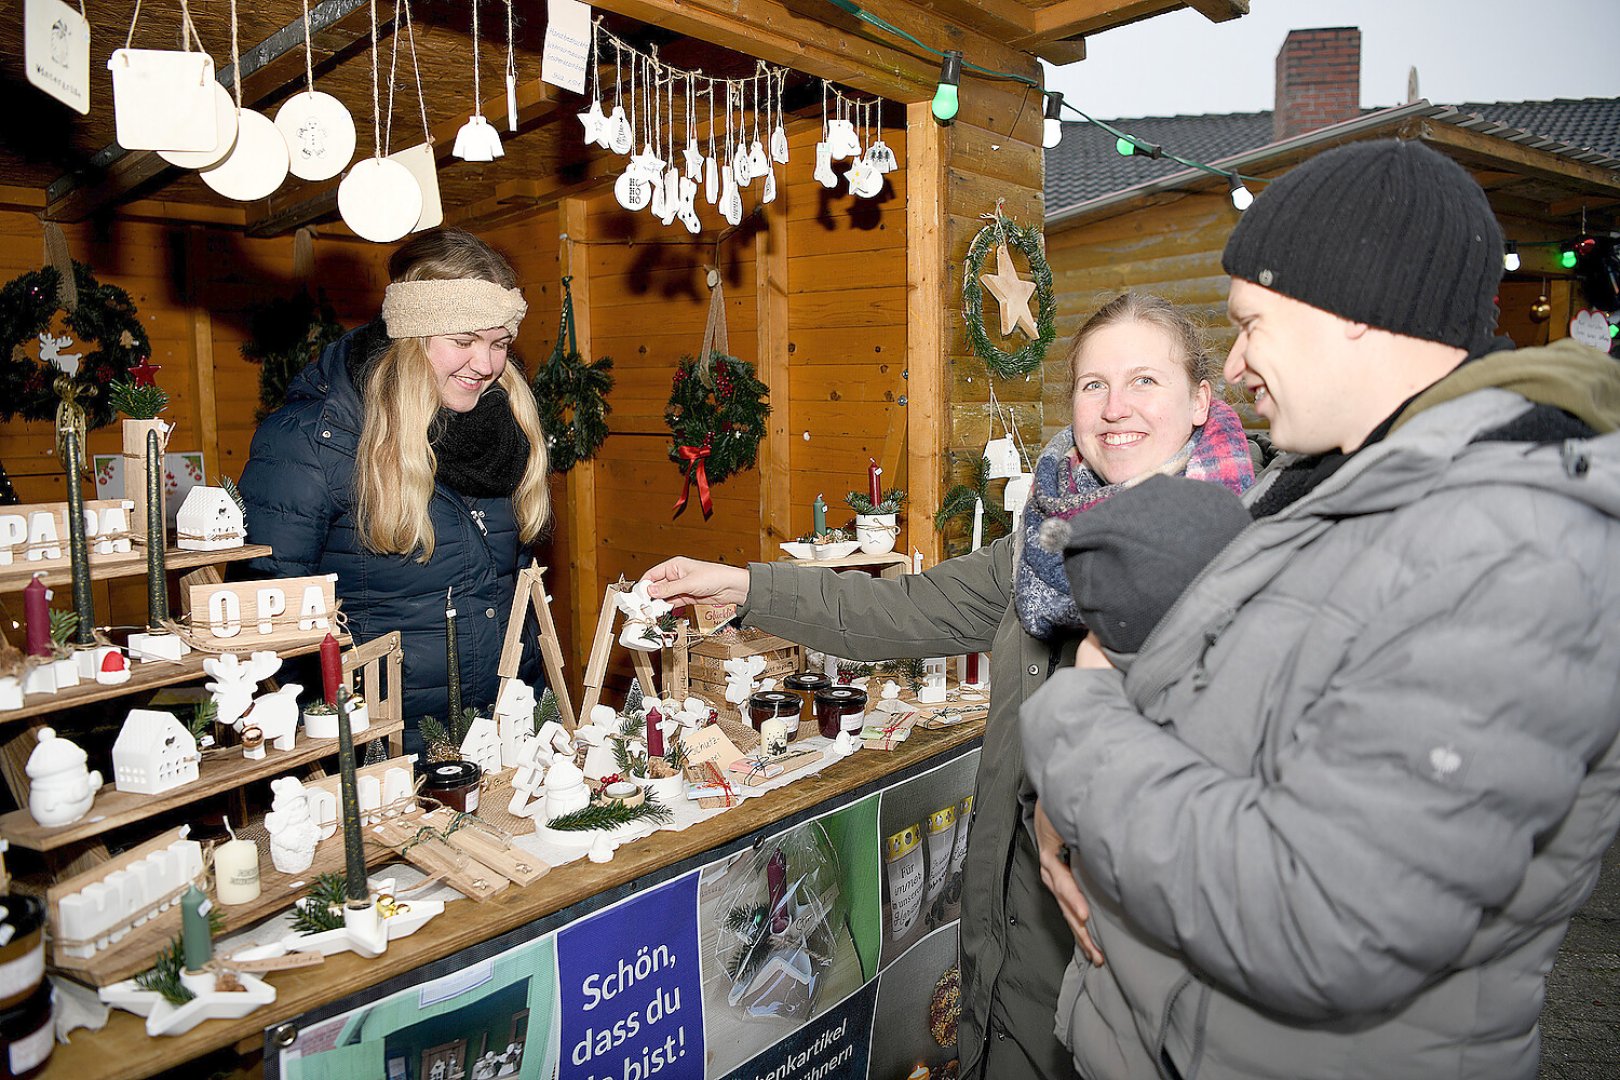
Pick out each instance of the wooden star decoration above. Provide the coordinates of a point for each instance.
(145, 373)
(1013, 293)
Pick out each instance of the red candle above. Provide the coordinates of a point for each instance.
(973, 668)
(655, 735)
(331, 668)
(872, 475)
(37, 614)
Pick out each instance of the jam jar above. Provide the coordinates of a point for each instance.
(805, 684)
(840, 708)
(772, 704)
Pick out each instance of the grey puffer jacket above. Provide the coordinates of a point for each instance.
(1013, 938)
(1335, 819)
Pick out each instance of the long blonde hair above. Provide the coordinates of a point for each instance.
(396, 464)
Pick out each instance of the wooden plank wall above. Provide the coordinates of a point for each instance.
(193, 287)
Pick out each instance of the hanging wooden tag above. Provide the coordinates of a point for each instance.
(163, 100)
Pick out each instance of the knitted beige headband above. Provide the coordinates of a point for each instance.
(426, 308)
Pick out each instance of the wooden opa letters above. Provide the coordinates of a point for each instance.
(36, 536)
(245, 615)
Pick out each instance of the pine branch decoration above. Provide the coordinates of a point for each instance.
(322, 908)
(376, 752)
(434, 735)
(64, 624)
(635, 699)
(675, 753)
(137, 402)
(203, 715)
(234, 492)
(861, 502)
(164, 976)
(546, 710)
(611, 815)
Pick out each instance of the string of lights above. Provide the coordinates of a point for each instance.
(947, 102)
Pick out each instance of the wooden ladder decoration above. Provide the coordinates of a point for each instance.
(602, 647)
(531, 592)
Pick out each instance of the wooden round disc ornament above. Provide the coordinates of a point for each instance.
(256, 165)
(319, 133)
(224, 123)
(380, 200)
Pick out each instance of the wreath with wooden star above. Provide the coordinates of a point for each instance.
(1028, 243)
(104, 321)
(717, 414)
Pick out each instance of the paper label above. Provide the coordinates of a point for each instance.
(23, 974)
(710, 744)
(31, 1050)
(711, 617)
(568, 44)
(906, 883)
(56, 48)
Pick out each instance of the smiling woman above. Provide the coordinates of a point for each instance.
(409, 460)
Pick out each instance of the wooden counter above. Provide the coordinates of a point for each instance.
(122, 1048)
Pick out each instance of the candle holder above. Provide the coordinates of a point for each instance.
(208, 1002)
(368, 926)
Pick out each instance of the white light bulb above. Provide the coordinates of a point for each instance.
(1052, 132)
(1242, 197)
(1510, 261)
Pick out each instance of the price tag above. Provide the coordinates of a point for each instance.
(56, 50)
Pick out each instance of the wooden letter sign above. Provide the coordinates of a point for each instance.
(245, 615)
(36, 536)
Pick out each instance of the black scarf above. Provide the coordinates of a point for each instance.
(482, 453)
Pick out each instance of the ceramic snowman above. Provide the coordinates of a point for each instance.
(293, 834)
(61, 786)
(565, 790)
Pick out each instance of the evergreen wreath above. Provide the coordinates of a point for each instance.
(959, 500)
(284, 337)
(1028, 243)
(572, 395)
(717, 413)
(105, 317)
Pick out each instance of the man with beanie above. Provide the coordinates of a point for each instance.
(1335, 818)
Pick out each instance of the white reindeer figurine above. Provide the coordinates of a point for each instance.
(234, 682)
(276, 715)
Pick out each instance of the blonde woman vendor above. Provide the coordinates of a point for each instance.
(409, 460)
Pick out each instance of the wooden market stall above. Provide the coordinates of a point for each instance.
(850, 309)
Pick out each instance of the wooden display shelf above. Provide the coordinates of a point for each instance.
(143, 675)
(277, 891)
(891, 564)
(15, 578)
(115, 809)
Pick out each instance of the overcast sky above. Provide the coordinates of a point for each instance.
(1464, 50)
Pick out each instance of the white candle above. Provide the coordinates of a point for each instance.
(236, 872)
(978, 525)
(773, 736)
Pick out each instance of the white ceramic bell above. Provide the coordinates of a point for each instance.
(758, 163)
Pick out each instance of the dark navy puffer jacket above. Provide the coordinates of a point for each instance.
(299, 488)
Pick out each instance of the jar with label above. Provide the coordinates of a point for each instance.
(903, 871)
(22, 948)
(805, 684)
(27, 1035)
(454, 783)
(772, 705)
(840, 708)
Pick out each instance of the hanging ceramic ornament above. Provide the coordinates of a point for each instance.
(593, 119)
(380, 200)
(320, 135)
(424, 168)
(864, 180)
(693, 158)
(841, 140)
(511, 75)
(688, 206)
(730, 199)
(758, 163)
(824, 171)
(878, 151)
(618, 134)
(224, 125)
(779, 142)
(742, 169)
(257, 163)
(477, 140)
(163, 100)
(769, 194)
(672, 196)
(632, 189)
(711, 181)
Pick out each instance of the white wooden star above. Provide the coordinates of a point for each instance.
(648, 163)
(1012, 293)
(593, 120)
(694, 159)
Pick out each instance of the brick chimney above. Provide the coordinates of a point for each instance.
(1318, 80)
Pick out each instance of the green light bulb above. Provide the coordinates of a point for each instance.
(1125, 146)
(1614, 331)
(1567, 260)
(945, 103)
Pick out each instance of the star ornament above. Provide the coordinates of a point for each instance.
(1013, 293)
(593, 120)
(145, 373)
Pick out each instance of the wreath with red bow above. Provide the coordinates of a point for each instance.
(717, 413)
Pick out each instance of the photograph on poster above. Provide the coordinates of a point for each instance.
(494, 1018)
(919, 1000)
(923, 824)
(789, 928)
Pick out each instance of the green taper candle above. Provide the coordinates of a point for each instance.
(79, 546)
(196, 937)
(157, 576)
(355, 889)
(452, 662)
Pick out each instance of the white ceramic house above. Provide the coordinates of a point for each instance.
(482, 745)
(933, 687)
(209, 520)
(154, 752)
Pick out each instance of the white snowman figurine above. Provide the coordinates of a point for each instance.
(293, 833)
(61, 786)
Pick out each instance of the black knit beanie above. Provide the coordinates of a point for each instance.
(1389, 233)
(1129, 557)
